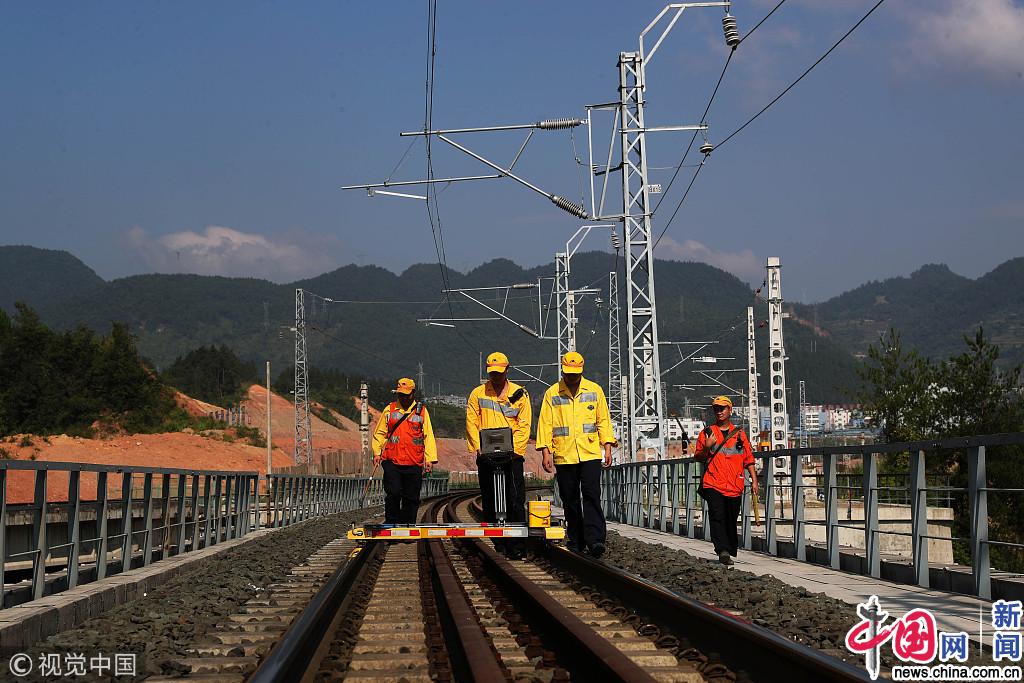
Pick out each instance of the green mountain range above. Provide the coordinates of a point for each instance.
(173, 314)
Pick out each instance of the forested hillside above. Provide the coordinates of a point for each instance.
(933, 308)
(172, 315)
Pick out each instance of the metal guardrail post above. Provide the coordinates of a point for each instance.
(830, 462)
(769, 505)
(289, 501)
(648, 499)
(673, 474)
(871, 544)
(217, 517)
(74, 512)
(39, 534)
(225, 510)
(978, 495)
(207, 502)
(3, 531)
(744, 539)
(691, 529)
(165, 515)
(919, 518)
(127, 526)
(147, 536)
(182, 513)
(101, 528)
(797, 496)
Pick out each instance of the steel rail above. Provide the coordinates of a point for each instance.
(742, 645)
(594, 657)
(469, 649)
(294, 655)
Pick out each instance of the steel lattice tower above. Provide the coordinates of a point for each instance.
(645, 404)
(754, 415)
(303, 428)
(616, 409)
(566, 304)
(777, 360)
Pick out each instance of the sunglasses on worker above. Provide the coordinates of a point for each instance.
(718, 409)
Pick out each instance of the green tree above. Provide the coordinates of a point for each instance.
(914, 398)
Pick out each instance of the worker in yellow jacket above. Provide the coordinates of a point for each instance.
(573, 430)
(495, 404)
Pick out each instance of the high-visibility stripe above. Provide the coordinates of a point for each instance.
(415, 418)
(589, 428)
(588, 397)
(557, 400)
(488, 404)
(494, 532)
(560, 431)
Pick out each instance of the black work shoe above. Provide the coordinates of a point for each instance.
(725, 559)
(597, 550)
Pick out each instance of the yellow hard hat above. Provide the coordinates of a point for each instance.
(572, 363)
(497, 362)
(722, 401)
(405, 386)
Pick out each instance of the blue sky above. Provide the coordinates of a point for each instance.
(213, 137)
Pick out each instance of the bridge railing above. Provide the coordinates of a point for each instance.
(916, 512)
(295, 497)
(64, 523)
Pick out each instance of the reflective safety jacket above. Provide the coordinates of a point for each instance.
(574, 427)
(487, 410)
(413, 440)
(724, 472)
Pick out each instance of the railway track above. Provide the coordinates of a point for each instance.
(455, 610)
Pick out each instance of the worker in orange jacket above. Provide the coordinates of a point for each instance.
(403, 441)
(726, 451)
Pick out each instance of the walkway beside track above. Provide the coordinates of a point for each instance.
(953, 612)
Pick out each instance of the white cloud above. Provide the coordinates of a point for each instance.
(978, 37)
(743, 264)
(233, 253)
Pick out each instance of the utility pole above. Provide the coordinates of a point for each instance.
(269, 429)
(419, 379)
(754, 414)
(803, 414)
(777, 360)
(303, 427)
(364, 426)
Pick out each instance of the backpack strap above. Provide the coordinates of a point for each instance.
(398, 424)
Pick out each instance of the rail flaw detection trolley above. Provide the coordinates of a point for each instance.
(496, 447)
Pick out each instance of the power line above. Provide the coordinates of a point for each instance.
(765, 108)
(758, 25)
(693, 137)
(801, 77)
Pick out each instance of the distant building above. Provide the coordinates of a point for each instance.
(674, 432)
(449, 400)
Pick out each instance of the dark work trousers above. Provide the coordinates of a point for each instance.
(579, 486)
(401, 492)
(723, 512)
(515, 498)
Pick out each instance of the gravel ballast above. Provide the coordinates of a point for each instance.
(160, 626)
(813, 619)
